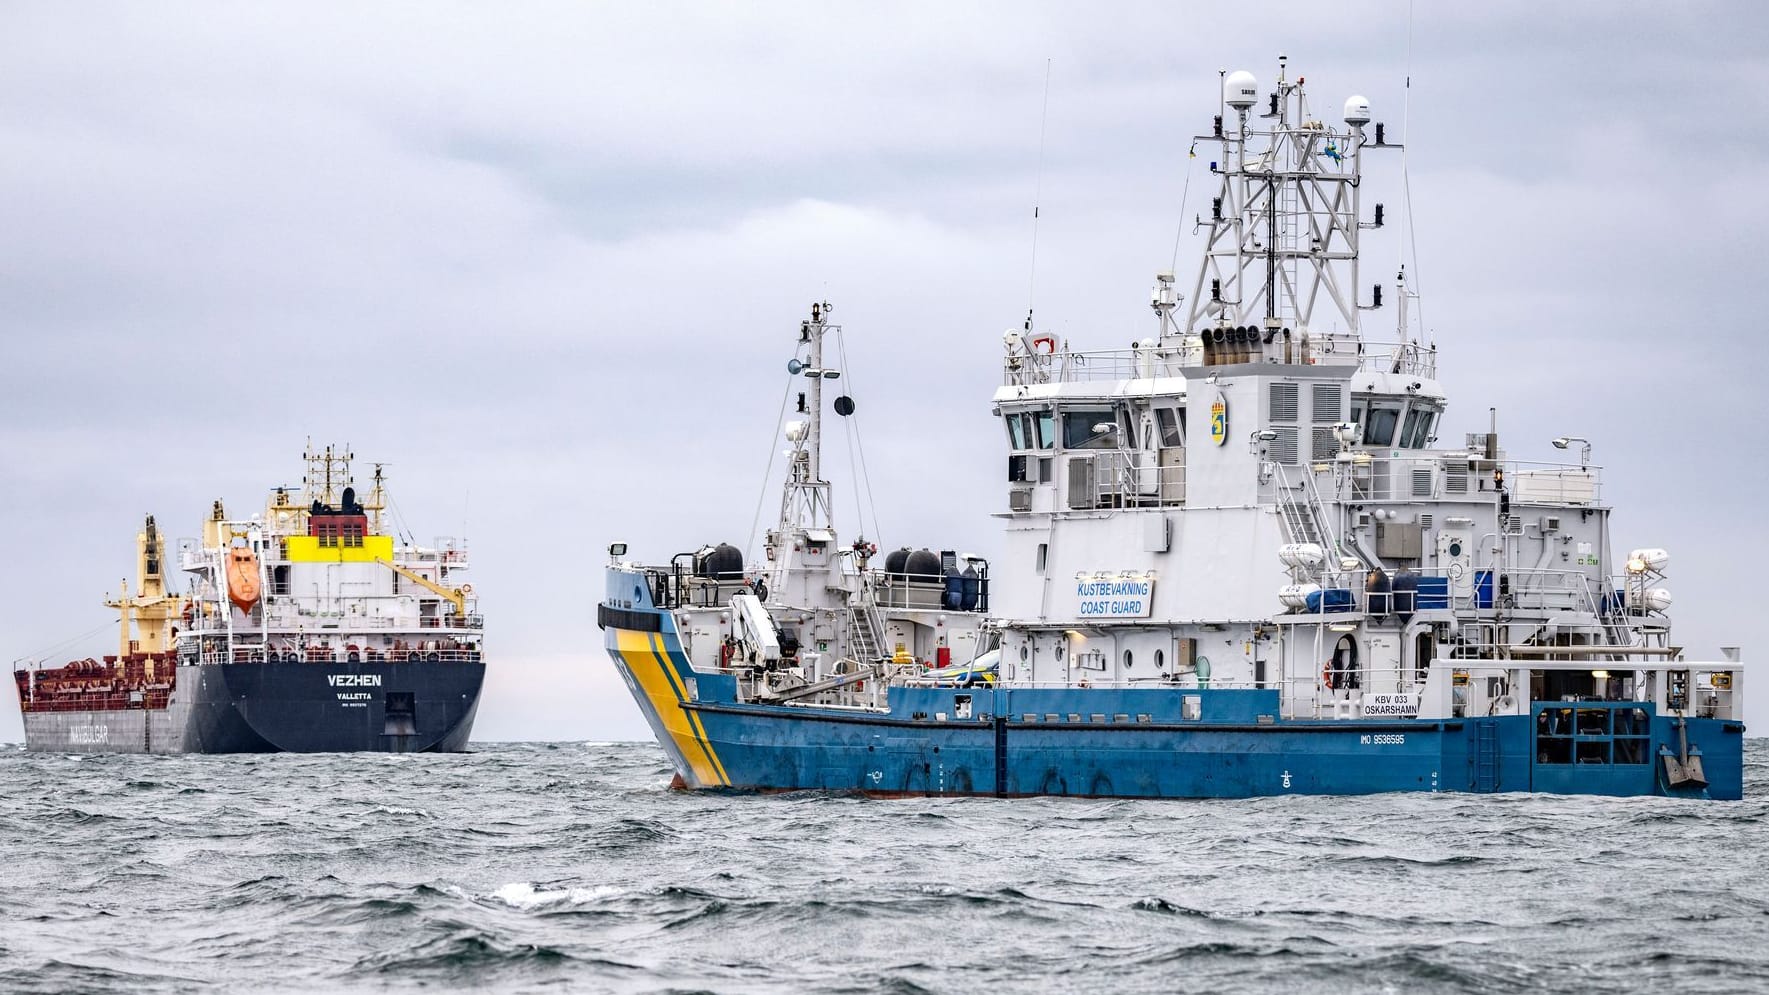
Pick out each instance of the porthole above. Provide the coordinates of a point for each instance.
(1160, 660)
(1022, 651)
(1128, 660)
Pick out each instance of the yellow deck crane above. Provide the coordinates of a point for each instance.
(456, 596)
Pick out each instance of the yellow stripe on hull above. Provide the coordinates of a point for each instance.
(644, 657)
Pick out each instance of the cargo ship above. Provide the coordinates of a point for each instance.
(1238, 561)
(307, 628)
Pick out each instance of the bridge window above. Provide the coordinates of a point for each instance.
(1172, 425)
(1379, 430)
(1045, 424)
(1019, 430)
(1079, 429)
(1418, 429)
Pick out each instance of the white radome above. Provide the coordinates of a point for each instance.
(1240, 90)
(1357, 110)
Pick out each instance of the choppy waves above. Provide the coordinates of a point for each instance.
(572, 868)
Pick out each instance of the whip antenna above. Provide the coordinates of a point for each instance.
(1411, 244)
(1037, 198)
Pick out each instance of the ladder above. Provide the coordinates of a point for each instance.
(1300, 507)
(865, 634)
(1486, 755)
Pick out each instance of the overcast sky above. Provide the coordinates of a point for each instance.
(546, 262)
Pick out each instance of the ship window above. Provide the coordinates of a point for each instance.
(1171, 434)
(1046, 425)
(1043, 554)
(1418, 431)
(1078, 429)
(1160, 659)
(1129, 661)
(1379, 430)
(1019, 430)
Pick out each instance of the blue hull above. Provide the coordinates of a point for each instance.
(1162, 742)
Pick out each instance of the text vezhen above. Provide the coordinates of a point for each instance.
(1114, 598)
(354, 680)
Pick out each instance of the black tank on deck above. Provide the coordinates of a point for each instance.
(923, 565)
(721, 562)
(897, 560)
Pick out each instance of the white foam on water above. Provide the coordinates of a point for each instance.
(523, 895)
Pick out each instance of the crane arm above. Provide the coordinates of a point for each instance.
(453, 595)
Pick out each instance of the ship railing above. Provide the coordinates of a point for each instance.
(345, 621)
(674, 587)
(1021, 367)
(96, 701)
(1068, 366)
(1451, 475)
(452, 552)
(1376, 355)
(1121, 478)
(335, 655)
(197, 558)
(1546, 590)
(1458, 688)
(929, 592)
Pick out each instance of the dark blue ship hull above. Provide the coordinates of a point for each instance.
(1157, 742)
(397, 707)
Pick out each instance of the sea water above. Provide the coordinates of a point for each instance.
(573, 867)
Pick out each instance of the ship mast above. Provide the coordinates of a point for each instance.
(806, 503)
(326, 472)
(1282, 246)
(152, 609)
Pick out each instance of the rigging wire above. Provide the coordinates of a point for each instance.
(1184, 195)
(762, 497)
(400, 526)
(864, 477)
(82, 637)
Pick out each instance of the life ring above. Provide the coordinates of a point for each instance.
(467, 590)
(1044, 345)
(1327, 675)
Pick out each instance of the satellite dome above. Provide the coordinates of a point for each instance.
(1357, 110)
(1240, 90)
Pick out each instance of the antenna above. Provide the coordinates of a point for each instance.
(1037, 199)
(1411, 243)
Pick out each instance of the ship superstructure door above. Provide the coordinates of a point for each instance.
(1455, 557)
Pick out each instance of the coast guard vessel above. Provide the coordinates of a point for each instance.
(306, 628)
(1238, 561)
